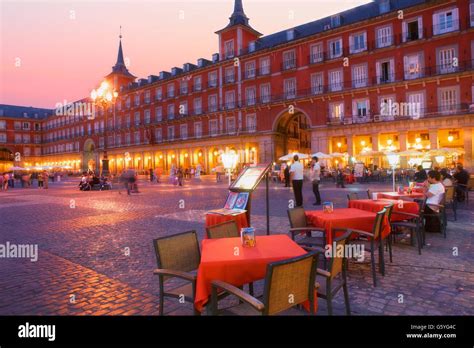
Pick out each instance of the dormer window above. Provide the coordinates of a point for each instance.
(252, 46)
(335, 21)
(290, 34)
(384, 6)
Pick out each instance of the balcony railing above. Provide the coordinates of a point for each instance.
(288, 64)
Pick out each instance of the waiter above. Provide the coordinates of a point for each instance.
(296, 173)
(316, 178)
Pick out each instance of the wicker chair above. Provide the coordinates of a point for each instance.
(333, 279)
(288, 283)
(441, 214)
(226, 229)
(176, 256)
(450, 201)
(412, 222)
(352, 196)
(299, 224)
(372, 243)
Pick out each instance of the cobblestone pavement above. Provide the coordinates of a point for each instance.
(96, 255)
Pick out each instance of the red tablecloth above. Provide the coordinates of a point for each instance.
(345, 218)
(350, 179)
(219, 261)
(396, 195)
(214, 219)
(378, 205)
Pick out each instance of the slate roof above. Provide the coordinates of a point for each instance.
(15, 111)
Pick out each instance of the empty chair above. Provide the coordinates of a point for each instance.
(412, 222)
(177, 256)
(226, 229)
(295, 276)
(299, 225)
(450, 201)
(352, 196)
(333, 279)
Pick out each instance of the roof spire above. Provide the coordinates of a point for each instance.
(120, 66)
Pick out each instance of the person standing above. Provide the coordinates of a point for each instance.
(152, 178)
(420, 175)
(296, 174)
(340, 177)
(316, 178)
(287, 175)
(45, 180)
(462, 179)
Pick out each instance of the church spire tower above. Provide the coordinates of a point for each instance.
(120, 75)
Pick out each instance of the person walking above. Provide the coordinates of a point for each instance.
(40, 180)
(152, 176)
(45, 180)
(296, 174)
(316, 178)
(180, 176)
(340, 177)
(6, 177)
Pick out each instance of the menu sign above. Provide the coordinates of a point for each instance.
(250, 177)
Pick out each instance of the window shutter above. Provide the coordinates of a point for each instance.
(404, 31)
(436, 23)
(405, 66)
(392, 69)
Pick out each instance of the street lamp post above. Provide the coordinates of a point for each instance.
(393, 161)
(229, 160)
(104, 96)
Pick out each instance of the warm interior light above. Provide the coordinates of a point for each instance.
(362, 142)
(450, 138)
(389, 142)
(339, 145)
(186, 155)
(418, 140)
(440, 159)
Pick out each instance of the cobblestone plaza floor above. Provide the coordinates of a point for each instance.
(96, 255)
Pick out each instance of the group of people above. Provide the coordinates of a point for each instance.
(295, 174)
(89, 180)
(7, 180)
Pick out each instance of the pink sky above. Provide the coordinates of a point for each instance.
(64, 48)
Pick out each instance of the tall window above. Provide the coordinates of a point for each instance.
(213, 130)
(448, 99)
(335, 48)
(229, 75)
(229, 49)
(230, 99)
(445, 21)
(197, 106)
(446, 60)
(336, 110)
(384, 37)
(183, 131)
(137, 118)
(359, 76)
(358, 42)
(212, 102)
(230, 125)
(265, 93)
(197, 83)
(170, 111)
(317, 83)
(385, 71)
(250, 95)
(183, 86)
(159, 114)
(198, 129)
(137, 137)
(316, 53)
(412, 29)
(289, 88)
(265, 66)
(137, 100)
(250, 70)
(147, 97)
(171, 133)
(212, 79)
(251, 123)
(360, 108)
(170, 90)
(413, 68)
(158, 135)
(335, 80)
(159, 93)
(183, 108)
(416, 104)
(147, 116)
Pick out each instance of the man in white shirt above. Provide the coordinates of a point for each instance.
(296, 174)
(434, 191)
(316, 178)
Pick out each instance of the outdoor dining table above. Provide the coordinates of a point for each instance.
(215, 219)
(351, 218)
(377, 205)
(227, 260)
(396, 195)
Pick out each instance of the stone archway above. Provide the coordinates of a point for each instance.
(89, 161)
(293, 133)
